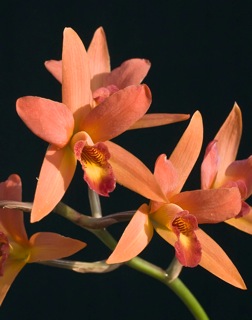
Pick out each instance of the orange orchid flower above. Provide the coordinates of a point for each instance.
(16, 250)
(220, 169)
(78, 128)
(177, 220)
(105, 82)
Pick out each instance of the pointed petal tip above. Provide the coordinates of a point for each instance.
(216, 261)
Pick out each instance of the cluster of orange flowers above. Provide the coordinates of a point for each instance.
(97, 105)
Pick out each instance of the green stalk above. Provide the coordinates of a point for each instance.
(176, 285)
(137, 263)
(168, 277)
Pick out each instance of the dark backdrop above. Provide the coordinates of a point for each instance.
(201, 59)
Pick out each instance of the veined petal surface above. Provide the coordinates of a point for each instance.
(49, 246)
(158, 119)
(130, 72)
(187, 150)
(210, 206)
(216, 261)
(135, 237)
(50, 120)
(228, 140)
(117, 113)
(76, 91)
(55, 176)
(243, 223)
(11, 270)
(133, 174)
(99, 60)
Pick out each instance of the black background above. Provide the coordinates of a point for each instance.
(201, 59)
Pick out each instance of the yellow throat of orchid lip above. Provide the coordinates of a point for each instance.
(94, 159)
(19, 252)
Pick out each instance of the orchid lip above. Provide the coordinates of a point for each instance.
(98, 172)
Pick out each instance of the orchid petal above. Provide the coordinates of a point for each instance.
(228, 139)
(158, 119)
(55, 68)
(244, 223)
(166, 175)
(216, 261)
(117, 113)
(51, 121)
(98, 172)
(171, 222)
(49, 246)
(210, 206)
(135, 237)
(188, 248)
(11, 220)
(55, 176)
(133, 174)
(99, 60)
(241, 170)
(130, 72)
(76, 92)
(213, 258)
(11, 270)
(187, 150)
(164, 216)
(209, 166)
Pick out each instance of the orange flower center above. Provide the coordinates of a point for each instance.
(90, 155)
(185, 223)
(98, 172)
(182, 225)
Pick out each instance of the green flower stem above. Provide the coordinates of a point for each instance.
(95, 204)
(93, 224)
(143, 266)
(176, 285)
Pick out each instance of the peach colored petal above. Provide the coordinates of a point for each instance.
(244, 223)
(187, 150)
(213, 258)
(228, 139)
(158, 119)
(164, 216)
(55, 68)
(55, 176)
(162, 222)
(165, 233)
(76, 92)
(99, 60)
(50, 120)
(133, 174)
(166, 175)
(135, 237)
(216, 261)
(12, 268)
(130, 72)
(210, 206)
(209, 166)
(48, 246)
(117, 113)
(12, 221)
(241, 170)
